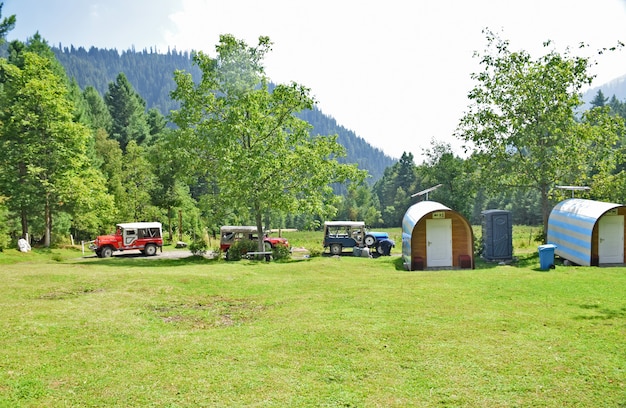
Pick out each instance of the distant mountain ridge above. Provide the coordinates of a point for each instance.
(151, 74)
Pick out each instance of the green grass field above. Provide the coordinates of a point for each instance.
(320, 332)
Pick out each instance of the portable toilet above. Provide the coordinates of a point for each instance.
(497, 231)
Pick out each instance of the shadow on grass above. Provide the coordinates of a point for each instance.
(398, 263)
(523, 261)
(141, 261)
(601, 313)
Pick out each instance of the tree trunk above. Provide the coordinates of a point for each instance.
(259, 226)
(24, 223)
(48, 222)
(180, 225)
(169, 222)
(545, 210)
(23, 212)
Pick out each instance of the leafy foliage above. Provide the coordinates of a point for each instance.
(238, 248)
(280, 253)
(259, 154)
(43, 149)
(198, 247)
(521, 125)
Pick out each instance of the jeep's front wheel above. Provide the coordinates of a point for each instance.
(150, 250)
(335, 249)
(107, 252)
(267, 247)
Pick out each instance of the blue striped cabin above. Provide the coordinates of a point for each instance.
(587, 232)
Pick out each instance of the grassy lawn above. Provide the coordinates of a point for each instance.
(321, 332)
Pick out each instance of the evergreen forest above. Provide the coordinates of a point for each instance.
(91, 138)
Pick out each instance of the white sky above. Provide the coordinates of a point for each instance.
(396, 72)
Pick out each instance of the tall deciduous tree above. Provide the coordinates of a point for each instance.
(262, 155)
(43, 149)
(139, 181)
(6, 25)
(522, 125)
(172, 188)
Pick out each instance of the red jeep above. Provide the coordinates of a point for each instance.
(230, 233)
(144, 236)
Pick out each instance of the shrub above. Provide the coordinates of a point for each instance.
(217, 253)
(239, 248)
(315, 252)
(5, 241)
(198, 247)
(280, 252)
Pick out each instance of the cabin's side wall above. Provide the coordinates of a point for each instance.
(572, 235)
(418, 244)
(407, 247)
(594, 257)
(462, 237)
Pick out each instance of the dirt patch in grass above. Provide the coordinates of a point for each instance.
(66, 294)
(213, 312)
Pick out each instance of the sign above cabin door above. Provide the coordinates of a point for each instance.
(439, 242)
(611, 239)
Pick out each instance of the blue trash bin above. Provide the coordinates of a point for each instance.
(546, 256)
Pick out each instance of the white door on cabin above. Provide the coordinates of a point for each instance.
(611, 239)
(439, 243)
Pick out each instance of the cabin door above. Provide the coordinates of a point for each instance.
(611, 239)
(438, 243)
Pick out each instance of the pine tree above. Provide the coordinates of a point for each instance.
(128, 113)
(599, 99)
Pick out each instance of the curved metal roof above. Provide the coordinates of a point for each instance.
(584, 208)
(419, 210)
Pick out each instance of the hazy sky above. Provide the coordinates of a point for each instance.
(396, 72)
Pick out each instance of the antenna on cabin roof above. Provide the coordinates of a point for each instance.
(428, 190)
(574, 188)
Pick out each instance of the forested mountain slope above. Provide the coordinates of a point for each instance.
(151, 74)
